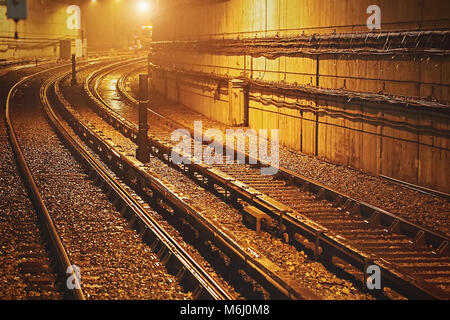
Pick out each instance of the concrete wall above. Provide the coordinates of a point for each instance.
(105, 24)
(354, 140)
(38, 35)
(404, 143)
(201, 97)
(234, 18)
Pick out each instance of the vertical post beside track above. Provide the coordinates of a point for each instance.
(149, 60)
(142, 153)
(149, 70)
(74, 72)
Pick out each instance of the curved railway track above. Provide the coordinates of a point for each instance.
(334, 227)
(177, 260)
(258, 272)
(46, 224)
(186, 271)
(254, 276)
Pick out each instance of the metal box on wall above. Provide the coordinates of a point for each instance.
(236, 112)
(16, 9)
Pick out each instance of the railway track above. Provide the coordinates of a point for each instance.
(45, 222)
(253, 275)
(334, 227)
(100, 256)
(259, 245)
(260, 274)
(25, 257)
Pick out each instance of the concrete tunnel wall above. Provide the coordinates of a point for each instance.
(39, 34)
(105, 24)
(417, 151)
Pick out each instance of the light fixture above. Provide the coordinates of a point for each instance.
(143, 6)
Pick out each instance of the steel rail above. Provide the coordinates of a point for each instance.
(424, 190)
(187, 269)
(49, 227)
(260, 267)
(310, 229)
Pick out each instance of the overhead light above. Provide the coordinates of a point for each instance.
(143, 6)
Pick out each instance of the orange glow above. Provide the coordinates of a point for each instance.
(143, 6)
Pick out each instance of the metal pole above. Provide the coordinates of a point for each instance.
(74, 72)
(149, 60)
(142, 152)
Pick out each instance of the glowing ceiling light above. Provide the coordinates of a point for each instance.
(143, 5)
